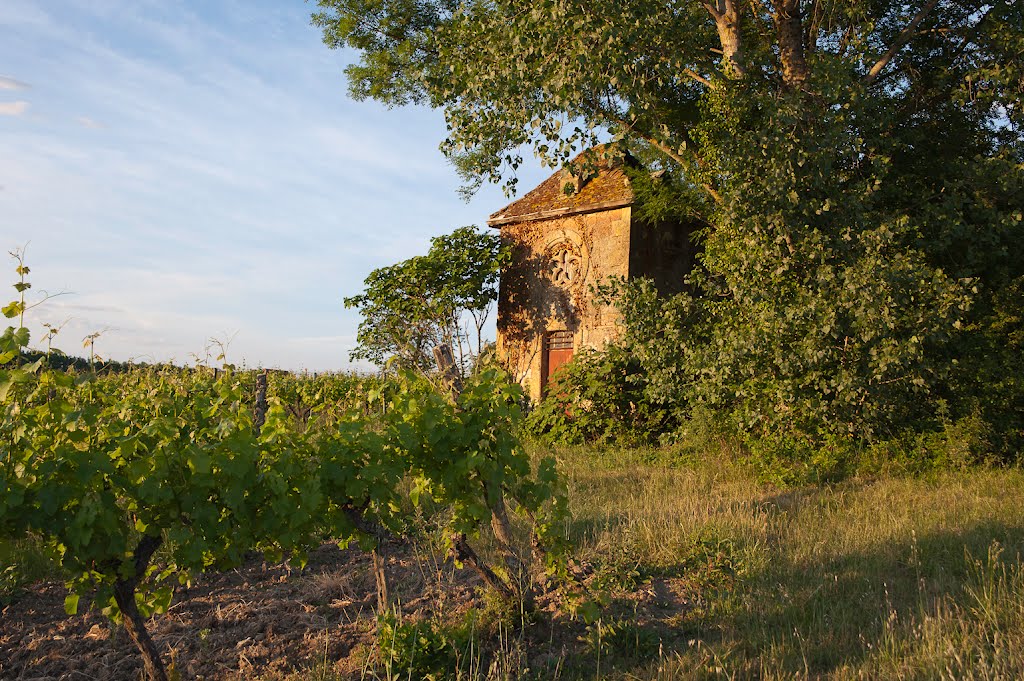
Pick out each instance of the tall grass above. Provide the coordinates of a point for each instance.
(867, 578)
(713, 573)
(23, 562)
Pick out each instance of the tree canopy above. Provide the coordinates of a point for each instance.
(555, 73)
(411, 307)
(858, 163)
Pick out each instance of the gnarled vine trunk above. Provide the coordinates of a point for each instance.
(134, 623)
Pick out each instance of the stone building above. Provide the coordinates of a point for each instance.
(564, 243)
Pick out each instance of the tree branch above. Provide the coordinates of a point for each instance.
(670, 152)
(811, 30)
(715, 9)
(973, 32)
(789, 29)
(902, 39)
(660, 146)
(844, 42)
(697, 77)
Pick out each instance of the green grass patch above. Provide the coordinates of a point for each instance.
(883, 577)
(24, 562)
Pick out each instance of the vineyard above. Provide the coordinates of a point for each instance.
(200, 523)
(769, 304)
(139, 481)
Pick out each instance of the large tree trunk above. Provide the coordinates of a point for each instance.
(726, 14)
(789, 27)
(134, 624)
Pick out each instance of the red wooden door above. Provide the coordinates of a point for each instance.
(557, 351)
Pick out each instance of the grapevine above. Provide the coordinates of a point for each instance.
(142, 480)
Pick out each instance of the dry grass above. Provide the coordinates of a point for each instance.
(713, 574)
(870, 578)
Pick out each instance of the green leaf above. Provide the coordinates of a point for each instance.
(160, 600)
(13, 309)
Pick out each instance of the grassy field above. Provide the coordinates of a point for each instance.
(869, 578)
(704, 572)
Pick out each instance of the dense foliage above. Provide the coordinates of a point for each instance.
(323, 399)
(858, 166)
(640, 389)
(602, 397)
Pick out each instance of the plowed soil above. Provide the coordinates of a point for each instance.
(257, 621)
(273, 622)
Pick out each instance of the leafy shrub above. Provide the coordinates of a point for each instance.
(622, 638)
(950, 445)
(420, 649)
(987, 377)
(600, 397)
(437, 648)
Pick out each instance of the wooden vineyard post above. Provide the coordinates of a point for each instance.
(259, 408)
(450, 376)
(380, 577)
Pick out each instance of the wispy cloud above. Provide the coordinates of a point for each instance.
(234, 186)
(13, 108)
(8, 83)
(87, 122)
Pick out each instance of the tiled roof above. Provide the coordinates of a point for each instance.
(608, 189)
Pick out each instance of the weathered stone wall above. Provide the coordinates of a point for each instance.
(547, 286)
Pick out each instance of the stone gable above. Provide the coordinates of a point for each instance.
(562, 245)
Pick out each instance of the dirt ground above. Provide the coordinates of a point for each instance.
(271, 622)
(258, 620)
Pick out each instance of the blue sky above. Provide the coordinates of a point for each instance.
(189, 170)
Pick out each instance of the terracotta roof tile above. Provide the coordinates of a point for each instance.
(609, 188)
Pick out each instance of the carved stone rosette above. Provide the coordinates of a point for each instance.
(565, 264)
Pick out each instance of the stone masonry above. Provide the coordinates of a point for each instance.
(562, 245)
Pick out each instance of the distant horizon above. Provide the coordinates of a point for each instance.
(189, 171)
(106, 362)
